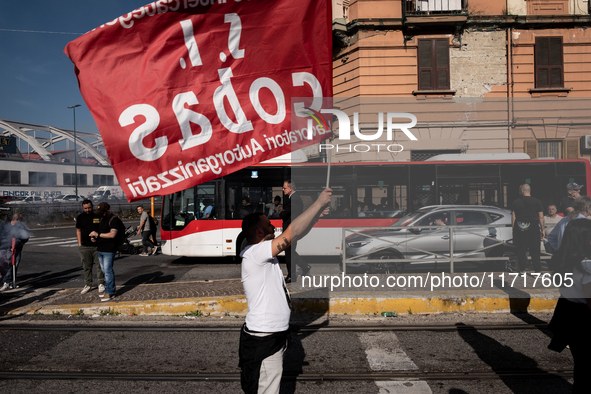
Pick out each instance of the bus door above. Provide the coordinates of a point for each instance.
(243, 198)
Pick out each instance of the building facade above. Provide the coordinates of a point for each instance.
(515, 73)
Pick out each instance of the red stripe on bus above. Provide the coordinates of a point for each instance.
(199, 226)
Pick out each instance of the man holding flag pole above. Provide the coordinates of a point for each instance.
(184, 92)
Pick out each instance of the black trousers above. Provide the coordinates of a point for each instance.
(524, 240)
(292, 256)
(146, 241)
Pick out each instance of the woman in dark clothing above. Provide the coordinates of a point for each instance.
(571, 323)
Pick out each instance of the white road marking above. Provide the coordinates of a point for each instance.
(384, 353)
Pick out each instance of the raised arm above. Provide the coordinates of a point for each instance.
(301, 223)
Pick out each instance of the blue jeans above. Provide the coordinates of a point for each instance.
(17, 260)
(106, 263)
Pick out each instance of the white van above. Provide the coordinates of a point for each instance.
(104, 192)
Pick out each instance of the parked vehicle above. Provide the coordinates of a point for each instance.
(424, 234)
(104, 192)
(69, 198)
(28, 200)
(5, 199)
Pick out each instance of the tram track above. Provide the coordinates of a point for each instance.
(226, 377)
(307, 328)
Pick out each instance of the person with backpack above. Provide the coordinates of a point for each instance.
(107, 238)
(146, 228)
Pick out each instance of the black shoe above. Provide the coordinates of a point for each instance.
(288, 279)
(306, 270)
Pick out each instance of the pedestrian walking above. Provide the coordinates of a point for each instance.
(293, 206)
(17, 231)
(263, 338)
(87, 222)
(527, 220)
(145, 230)
(106, 245)
(571, 322)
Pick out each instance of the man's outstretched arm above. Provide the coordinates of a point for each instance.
(301, 223)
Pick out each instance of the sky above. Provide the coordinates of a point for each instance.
(38, 83)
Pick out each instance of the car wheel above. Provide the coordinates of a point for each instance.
(385, 267)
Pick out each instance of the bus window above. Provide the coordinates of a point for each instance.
(247, 193)
(205, 201)
(183, 209)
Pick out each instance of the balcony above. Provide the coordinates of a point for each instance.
(435, 7)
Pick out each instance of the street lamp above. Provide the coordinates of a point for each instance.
(73, 107)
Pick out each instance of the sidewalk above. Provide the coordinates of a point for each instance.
(226, 297)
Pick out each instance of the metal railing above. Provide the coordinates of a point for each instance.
(435, 7)
(400, 238)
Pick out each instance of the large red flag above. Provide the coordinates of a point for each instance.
(185, 91)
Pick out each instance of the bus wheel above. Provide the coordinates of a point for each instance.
(385, 267)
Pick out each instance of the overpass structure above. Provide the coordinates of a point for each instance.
(87, 144)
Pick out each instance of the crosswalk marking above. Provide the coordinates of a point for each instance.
(55, 241)
(70, 242)
(384, 353)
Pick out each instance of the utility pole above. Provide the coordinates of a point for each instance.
(73, 107)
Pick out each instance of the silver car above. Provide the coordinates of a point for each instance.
(424, 234)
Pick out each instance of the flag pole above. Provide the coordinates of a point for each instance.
(13, 263)
(329, 160)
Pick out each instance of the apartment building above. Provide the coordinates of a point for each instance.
(481, 76)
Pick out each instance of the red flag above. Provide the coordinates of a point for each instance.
(185, 91)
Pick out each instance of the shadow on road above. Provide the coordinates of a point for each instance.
(503, 359)
(295, 357)
(47, 278)
(152, 277)
(11, 301)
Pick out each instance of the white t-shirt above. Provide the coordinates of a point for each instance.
(575, 293)
(263, 283)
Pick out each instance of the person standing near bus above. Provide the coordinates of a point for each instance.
(145, 230)
(527, 220)
(293, 206)
(574, 191)
(86, 223)
(263, 337)
(105, 238)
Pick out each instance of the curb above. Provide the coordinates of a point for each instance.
(445, 302)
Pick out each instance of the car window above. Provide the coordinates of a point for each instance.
(470, 218)
(435, 219)
(494, 216)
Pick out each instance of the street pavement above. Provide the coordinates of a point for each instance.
(50, 279)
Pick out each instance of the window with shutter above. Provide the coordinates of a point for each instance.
(572, 148)
(550, 149)
(433, 64)
(531, 148)
(549, 63)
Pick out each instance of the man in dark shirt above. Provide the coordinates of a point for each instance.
(527, 219)
(574, 192)
(106, 246)
(87, 222)
(293, 206)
